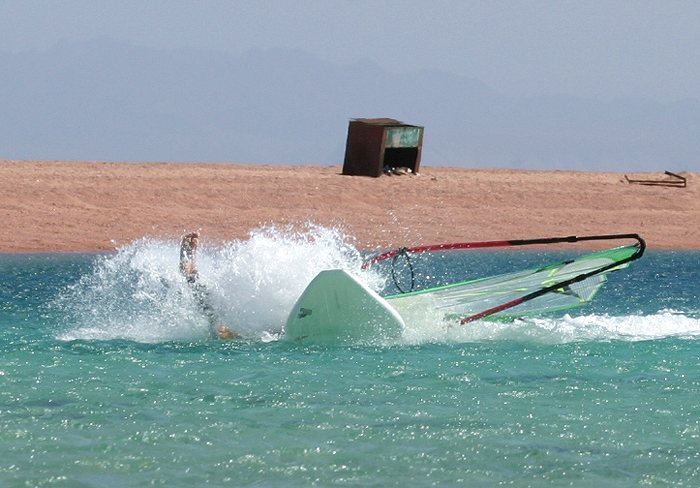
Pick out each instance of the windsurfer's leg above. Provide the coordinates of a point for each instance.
(188, 256)
(188, 268)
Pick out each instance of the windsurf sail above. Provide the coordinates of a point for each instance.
(555, 287)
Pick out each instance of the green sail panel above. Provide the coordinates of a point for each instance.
(455, 301)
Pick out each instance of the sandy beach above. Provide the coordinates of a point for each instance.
(52, 206)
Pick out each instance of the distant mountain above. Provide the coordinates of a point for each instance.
(108, 100)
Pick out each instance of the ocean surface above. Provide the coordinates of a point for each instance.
(109, 378)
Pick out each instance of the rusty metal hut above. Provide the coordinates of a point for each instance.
(374, 144)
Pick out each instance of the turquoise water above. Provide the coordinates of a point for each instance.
(108, 378)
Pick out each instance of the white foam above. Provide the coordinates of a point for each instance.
(554, 330)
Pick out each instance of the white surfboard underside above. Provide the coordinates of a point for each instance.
(336, 307)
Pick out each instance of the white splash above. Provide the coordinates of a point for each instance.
(138, 293)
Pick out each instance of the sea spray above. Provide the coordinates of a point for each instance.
(138, 293)
(255, 282)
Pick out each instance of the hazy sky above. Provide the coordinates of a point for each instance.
(599, 49)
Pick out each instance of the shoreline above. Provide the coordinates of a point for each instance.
(83, 207)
